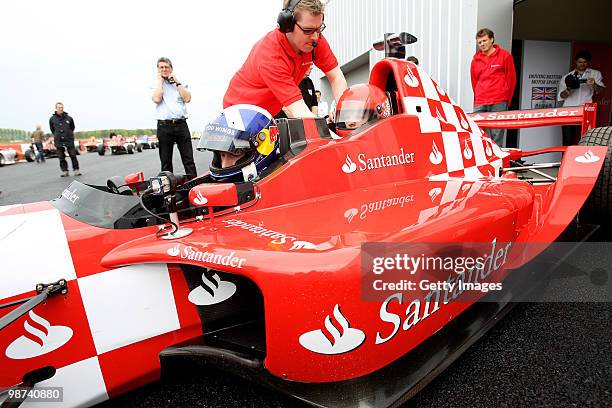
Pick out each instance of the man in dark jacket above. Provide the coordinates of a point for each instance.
(62, 127)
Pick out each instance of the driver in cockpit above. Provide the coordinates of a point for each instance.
(360, 105)
(243, 147)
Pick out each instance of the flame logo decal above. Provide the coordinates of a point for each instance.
(350, 214)
(488, 150)
(200, 199)
(434, 192)
(435, 157)
(467, 152)
(440, 90)
(478, 116)
(334, 340)
(410, 79)
(588, 157)
(174, 251)
(302, 245)
(464, 124)
(40, 338)
(349, 167)
(213, 290)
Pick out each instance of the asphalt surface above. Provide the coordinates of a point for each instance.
(540, 355)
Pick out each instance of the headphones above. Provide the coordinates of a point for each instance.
(286, 19)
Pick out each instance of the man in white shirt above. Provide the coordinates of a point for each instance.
(170, 97)
(578, 87)
(323, 109)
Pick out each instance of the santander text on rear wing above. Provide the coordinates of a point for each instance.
(573, 115)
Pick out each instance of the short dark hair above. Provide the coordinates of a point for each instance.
(164, 59)
(412, 58)
(317, 91)
(485, 31)
(584, 54)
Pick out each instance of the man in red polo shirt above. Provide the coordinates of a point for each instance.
(277, 63)
(493, 79)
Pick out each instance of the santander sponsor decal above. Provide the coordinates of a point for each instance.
(193, 254)
(588, 157)
(533, 114)
(70, 195)
(377, 206)
(212, 290)
(367, 163)
(275, 237)
(40, 338)
(337, 338)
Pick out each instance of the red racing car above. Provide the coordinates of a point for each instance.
(259, 270)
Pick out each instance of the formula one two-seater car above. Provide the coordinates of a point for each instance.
(261, 276)
(119, 145)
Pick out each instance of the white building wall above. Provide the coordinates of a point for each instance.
(445, 30)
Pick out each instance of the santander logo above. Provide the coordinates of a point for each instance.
(467, 152)
(588, 157)
(174, 251)
(435, 157)
(350, 214)
(213, 290)
(434, 193)
(200, 199)
(410, 79)
(335, 340)
(40, 338)
(349, 166)
(302, 245)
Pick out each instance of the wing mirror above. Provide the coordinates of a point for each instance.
(214, 195)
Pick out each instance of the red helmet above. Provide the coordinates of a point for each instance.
(359, 105)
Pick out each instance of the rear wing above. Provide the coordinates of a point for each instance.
(574, 115)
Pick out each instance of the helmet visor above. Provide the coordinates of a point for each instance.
(221, 138)
(352, 115)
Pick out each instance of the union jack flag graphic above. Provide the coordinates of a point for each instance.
(548, 93)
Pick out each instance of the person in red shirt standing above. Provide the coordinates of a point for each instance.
(493, 79)
(277, 63)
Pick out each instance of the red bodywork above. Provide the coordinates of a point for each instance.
(426, 174)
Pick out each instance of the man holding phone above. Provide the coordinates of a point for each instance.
(170, 97)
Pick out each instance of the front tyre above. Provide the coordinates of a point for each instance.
(598, 207)
(30, 155)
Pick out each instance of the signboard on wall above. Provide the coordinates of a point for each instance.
(544, 64)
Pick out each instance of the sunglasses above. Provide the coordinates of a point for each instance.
(311, 31)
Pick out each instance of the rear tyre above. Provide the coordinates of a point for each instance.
(598, 207)
(2, 160)
(130, 149)
(101, 150)
(30, 155)
(139, 148)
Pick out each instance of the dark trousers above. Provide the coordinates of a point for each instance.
(40, 154)
(61, 151)
(170, 133)
(498, 135)
(571, 135)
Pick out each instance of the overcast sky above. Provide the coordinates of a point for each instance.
(98, 57)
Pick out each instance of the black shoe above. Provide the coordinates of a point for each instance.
(64, 174)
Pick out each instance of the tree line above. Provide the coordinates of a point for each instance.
(19, 135)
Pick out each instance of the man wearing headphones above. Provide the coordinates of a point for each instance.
(277, 63)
